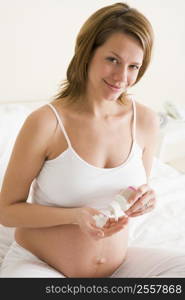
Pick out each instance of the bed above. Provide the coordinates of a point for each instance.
(162, 228)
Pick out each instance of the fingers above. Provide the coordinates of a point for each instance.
(95, 232)
(112, 221)
(142, 211)
(139, 193)
(133, 212)
(145, 201)
(113, 226)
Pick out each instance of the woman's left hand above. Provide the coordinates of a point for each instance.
(143, 199)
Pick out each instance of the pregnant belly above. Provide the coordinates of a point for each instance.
(74, 254)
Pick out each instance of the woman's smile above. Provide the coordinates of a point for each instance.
(113, 87)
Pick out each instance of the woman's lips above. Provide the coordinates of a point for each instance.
(113, 87)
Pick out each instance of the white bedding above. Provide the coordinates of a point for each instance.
(163, 228)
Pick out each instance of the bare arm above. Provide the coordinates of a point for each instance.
(149, 125)
(27, 158)
(151, 129)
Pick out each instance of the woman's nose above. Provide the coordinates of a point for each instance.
(120, 75)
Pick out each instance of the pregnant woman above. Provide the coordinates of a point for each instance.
(75, 154)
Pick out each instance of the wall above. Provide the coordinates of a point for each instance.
(37, 41)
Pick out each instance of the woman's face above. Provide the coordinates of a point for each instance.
(114, 66)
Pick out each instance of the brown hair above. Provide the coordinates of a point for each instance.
(118, 17)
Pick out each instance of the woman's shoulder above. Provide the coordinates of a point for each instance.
(42, 115)
(147, 120)
(146, 117)
(41, 121)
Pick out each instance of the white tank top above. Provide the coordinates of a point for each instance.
(70, 181)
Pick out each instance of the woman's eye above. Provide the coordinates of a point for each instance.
(135, 67)
(112, 59)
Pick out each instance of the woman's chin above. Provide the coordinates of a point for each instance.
(112, 97)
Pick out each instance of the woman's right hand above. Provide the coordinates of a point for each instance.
(86, 222)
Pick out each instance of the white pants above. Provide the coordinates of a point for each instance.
(139, 262)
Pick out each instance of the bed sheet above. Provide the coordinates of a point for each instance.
(164, 227)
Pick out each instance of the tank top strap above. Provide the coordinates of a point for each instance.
(60, 123)
(134, 119)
